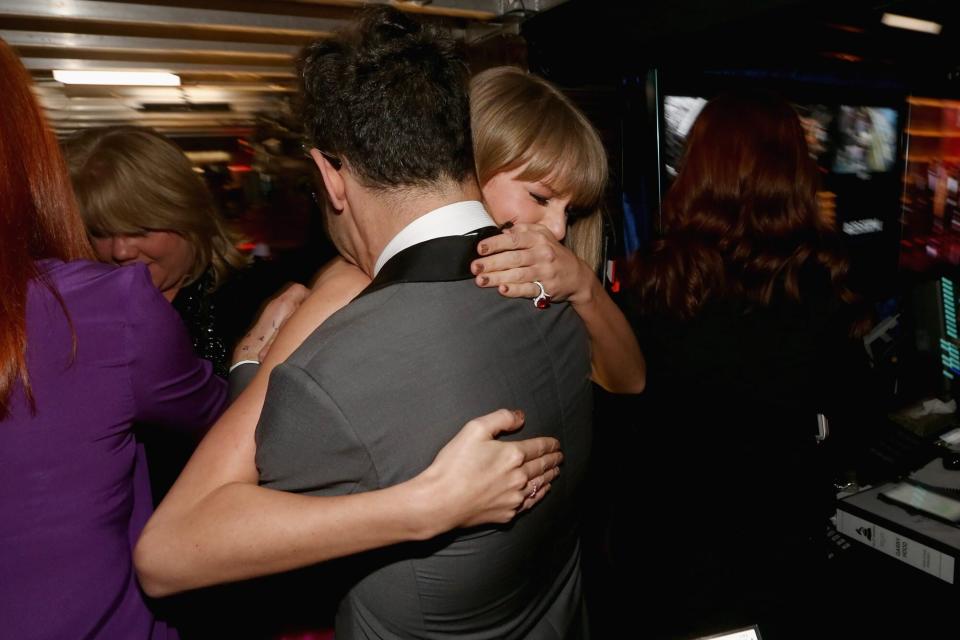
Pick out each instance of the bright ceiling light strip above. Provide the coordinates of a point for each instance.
(913, 24)
(135, 78)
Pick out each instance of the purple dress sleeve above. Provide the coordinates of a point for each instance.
(170, 384)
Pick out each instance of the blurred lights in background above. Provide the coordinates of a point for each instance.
(128, 78)
(912, 24)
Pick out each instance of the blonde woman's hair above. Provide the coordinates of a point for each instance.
(519, 119)
(129, 180)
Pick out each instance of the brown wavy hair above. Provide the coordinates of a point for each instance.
(38, 217)
(741, 219)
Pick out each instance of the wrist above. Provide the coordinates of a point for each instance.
(426, 520)
(587, 292)
(243, 352)
(240, 363)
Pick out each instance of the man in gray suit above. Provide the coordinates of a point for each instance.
(369, 399)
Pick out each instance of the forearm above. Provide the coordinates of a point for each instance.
(617, 362)
(216, 525)
(242, 530)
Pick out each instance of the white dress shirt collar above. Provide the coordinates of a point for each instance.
(457, 219)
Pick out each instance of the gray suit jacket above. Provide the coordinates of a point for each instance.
(371, 397)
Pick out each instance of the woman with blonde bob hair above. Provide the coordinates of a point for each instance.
(142, 202)
(131, 180)
(542, 170)
(520, 120)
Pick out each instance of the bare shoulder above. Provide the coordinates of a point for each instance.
(334, 287)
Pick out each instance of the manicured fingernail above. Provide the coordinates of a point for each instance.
(519, 414)
(478, 267)
(505, 288)
(484, 280)
(483, 249)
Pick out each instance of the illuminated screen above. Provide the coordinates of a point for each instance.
(949, 343)
(842, 139)
(679, 114)
(866, 140)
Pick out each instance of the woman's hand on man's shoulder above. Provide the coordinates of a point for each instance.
(256, 343)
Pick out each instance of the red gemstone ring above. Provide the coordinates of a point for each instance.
(542, 300)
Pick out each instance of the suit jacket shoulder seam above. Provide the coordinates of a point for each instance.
(346, 421)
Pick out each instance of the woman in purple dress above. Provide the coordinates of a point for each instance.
(85, 350)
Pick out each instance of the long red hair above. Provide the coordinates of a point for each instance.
(741, 219)
(38, 215)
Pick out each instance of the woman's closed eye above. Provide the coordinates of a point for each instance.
(539, 199)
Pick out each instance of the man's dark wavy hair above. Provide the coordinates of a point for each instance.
(390, 97)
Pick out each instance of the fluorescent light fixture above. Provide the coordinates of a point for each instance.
(913, 24)
(138, 78)
(208, 157)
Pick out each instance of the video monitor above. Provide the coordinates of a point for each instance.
(931, 193)
(817, 121)
(949, 341)
(866, 140)
(921, 363)
(679, 114)
(843, 139)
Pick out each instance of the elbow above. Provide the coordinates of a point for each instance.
(640, 380)
(634, 386)
(624, 386)
(630, 381)
(637, 383)
(152, 572)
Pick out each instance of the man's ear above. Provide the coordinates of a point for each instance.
(332, 180)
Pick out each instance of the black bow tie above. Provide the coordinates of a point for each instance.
(443, 259)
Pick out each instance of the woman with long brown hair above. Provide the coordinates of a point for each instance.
(746, 320)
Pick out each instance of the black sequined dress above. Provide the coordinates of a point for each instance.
(218, 319)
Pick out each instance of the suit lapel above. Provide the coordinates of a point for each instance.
(443, 259)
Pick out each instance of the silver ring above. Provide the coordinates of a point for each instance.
(536, 487)
(542, 299)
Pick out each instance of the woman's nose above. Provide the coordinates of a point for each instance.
(556, 222)
(124, 249)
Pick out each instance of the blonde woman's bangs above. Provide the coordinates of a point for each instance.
(567, 155)
(106, 220)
